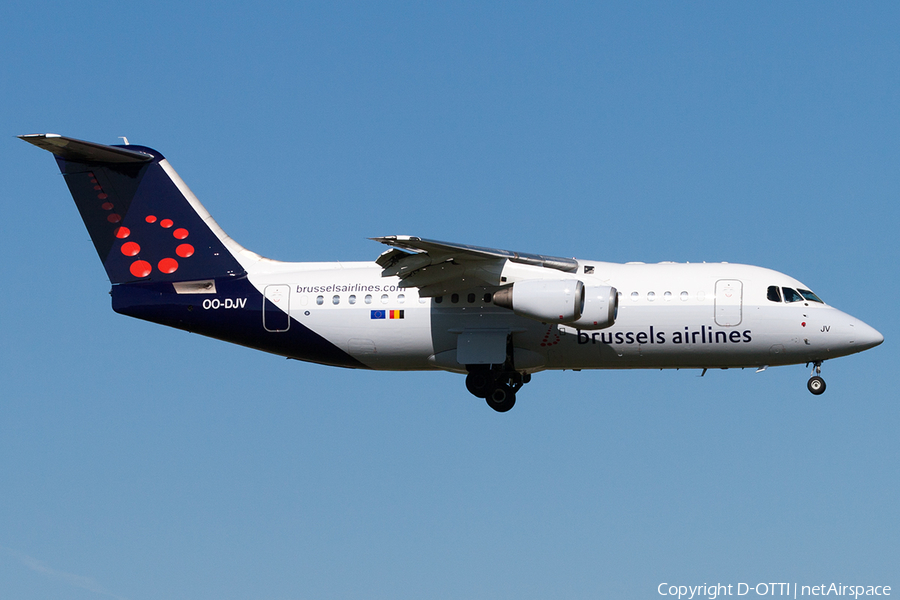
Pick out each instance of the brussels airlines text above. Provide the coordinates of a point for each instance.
(703, 335)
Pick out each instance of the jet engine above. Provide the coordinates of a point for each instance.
(600, 308)
(566, 301)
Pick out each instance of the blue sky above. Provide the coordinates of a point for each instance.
(140, 462)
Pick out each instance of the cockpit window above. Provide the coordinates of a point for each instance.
(810, 296)
(773, 293)
(791, 295)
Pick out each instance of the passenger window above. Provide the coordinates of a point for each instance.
(773, 293)
(320, 300)
(454, 298)
(791, 295)
(384, 298)
(810, 296)
(634, 296)
(401, 299)
(487, 298)
(336, 300)
(684, 296)
(352, 299)
(651, 296)
(439, 299)
(471, 298)
(368, 299)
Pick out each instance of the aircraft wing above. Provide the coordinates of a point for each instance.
(438, 268)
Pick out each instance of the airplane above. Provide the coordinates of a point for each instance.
(496, 316)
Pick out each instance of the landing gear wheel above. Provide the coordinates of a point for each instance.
(816, 385)
(480, 383)
(502, 398)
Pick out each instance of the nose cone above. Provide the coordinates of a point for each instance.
(863, 336)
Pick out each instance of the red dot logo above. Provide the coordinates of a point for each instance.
(114, 218)
(131, 249)
(143, 268)
(140, 268)
(168, 265)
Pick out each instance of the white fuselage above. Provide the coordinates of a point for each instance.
(670, 316)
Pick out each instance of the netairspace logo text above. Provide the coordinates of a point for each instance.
(794, 590)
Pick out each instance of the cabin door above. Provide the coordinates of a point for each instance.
(276, 308)
(728, 302)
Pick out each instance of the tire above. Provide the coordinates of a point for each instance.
(502, 398)
(816, 385)
(480, 383)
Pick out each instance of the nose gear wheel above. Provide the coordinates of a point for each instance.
(816, 385)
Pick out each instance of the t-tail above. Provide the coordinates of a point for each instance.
(145, 223)
(168, 260)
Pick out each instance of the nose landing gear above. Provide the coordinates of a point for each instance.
(816, 385)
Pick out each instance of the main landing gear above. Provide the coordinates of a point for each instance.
(497, 386)
(816, 384)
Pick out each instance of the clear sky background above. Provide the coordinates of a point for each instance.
(142, 462)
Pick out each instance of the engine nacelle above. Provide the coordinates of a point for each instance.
(545, 300)
(566, 301)
(600, 308)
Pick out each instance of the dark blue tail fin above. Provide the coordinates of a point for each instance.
(145, 223)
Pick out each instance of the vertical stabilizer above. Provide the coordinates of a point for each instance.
(145, 223)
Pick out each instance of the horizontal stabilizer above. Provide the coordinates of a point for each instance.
(80, 151)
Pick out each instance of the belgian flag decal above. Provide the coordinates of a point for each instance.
(390, 314)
